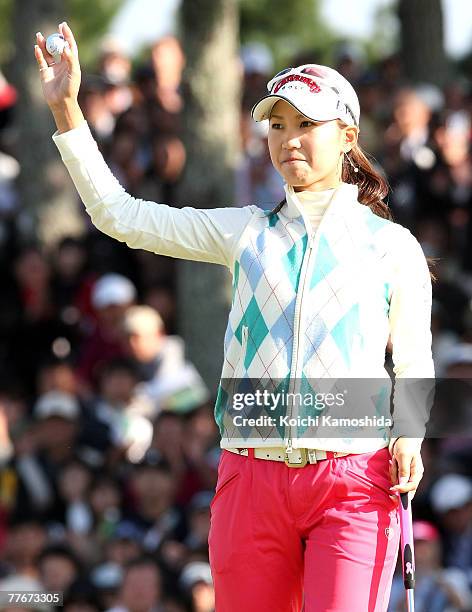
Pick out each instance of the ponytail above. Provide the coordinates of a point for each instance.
(372, 186)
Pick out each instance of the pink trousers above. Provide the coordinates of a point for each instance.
(322, 538)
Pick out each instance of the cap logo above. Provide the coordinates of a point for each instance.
(313, 86)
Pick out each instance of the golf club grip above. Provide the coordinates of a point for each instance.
(406, 531)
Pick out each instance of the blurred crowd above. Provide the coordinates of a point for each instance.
(108, 447)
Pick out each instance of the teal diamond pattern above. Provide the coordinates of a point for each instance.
(220, 407)
(292, 261)
(374, 222)
(258, 330)
(343, 331)
(235, 281)
(273, 220)
(325, 255)
(282, 389)
(307, 408)
(386, 295)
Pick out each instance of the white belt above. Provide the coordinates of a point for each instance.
(298, 457)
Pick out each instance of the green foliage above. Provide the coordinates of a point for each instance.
(89, 20)
(385, 37)
(6, 43)
(288, 27)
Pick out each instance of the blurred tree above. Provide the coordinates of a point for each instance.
(422, 41)
(288, 28)
(45, 191)
(209, 33)
(88, 25)
(89, 21)
(384, 39)
(6, 39)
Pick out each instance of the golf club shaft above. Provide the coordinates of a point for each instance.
(408, 553)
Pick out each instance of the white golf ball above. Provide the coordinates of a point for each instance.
(55, 44)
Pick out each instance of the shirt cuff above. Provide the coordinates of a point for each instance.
(416, 441)
(75, 143)
(391, 443)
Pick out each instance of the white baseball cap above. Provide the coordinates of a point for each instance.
(450, 491)
(113, 289)
(257, 58)
(318, 92)
(460, 353)
(193, 572)
(57, 403)
(142, 320)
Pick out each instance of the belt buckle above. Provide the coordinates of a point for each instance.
(303, 455)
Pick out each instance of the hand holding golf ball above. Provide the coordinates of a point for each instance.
(59, 68)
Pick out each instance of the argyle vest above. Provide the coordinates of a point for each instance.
(306, 306)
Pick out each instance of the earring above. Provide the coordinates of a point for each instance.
(356, 169)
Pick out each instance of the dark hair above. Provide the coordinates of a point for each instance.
(373, 188)
(144, 560)
(115, 365)
(60, 550)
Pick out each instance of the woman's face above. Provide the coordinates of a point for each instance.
(306, 153)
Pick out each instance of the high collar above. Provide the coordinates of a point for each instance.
(343, 202)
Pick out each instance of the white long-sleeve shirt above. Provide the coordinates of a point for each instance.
(212, 235)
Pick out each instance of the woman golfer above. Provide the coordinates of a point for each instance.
(320, 283)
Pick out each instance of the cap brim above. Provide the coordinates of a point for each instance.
(262, 109)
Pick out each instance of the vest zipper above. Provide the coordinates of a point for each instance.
(296, 329)
(313, 241)
(244, 337)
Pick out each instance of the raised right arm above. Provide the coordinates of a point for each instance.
(208, 235)
(187, 233)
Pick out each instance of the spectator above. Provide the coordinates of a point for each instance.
(36, 325)
(124, 432)
(112, 295)
(437, 589)
(197, 581)
(40, 450)
(451, 499)
(199, 522)
(155, 354)
(58, 568)
(185, 442)
(56, 375)
(106, 501)
(106, 579)
(73, 482)
(125, 543)
(154, 510)
(168, 61)
(161, 297)
(92, 97)
(19, 584)
(258, 64)
(71, 286)
(125, 159)
(141, 590)
(410, 129)
(115, 68)
(26, 539)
